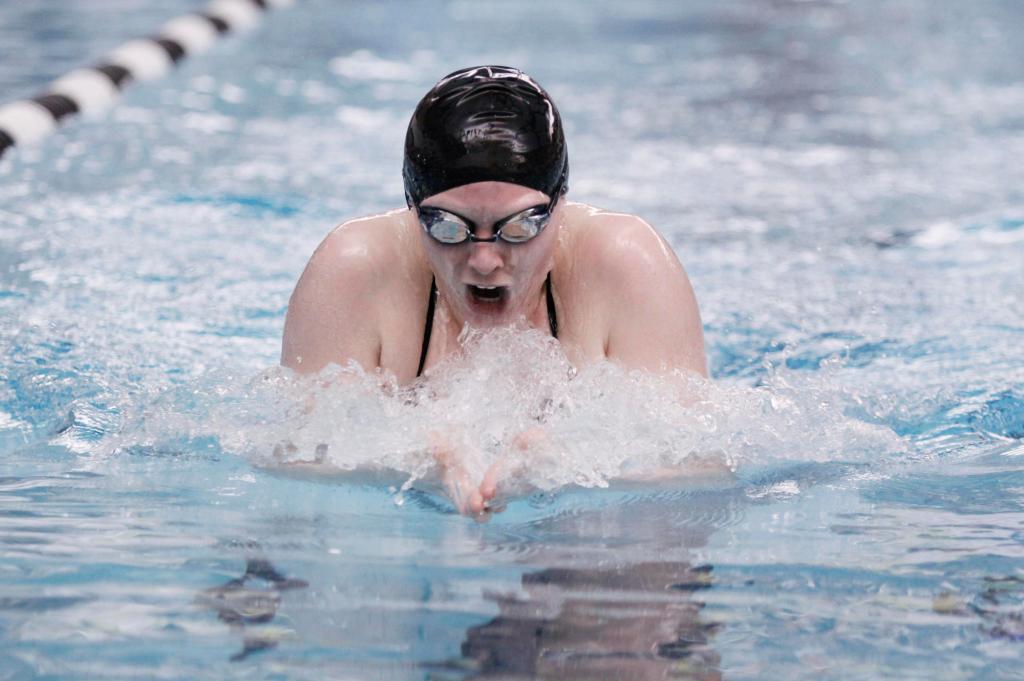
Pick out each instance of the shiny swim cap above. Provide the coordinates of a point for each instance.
(484, 123)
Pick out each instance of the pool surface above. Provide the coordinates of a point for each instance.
(842, 181)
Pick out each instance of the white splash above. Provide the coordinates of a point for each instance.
(512, 398)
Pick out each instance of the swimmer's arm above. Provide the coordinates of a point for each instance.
(329, 321)
(331, 316)
(654, 321)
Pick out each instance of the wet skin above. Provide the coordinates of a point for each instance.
(517, 270)
(619, 290)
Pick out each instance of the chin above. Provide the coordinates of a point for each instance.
(489, 318)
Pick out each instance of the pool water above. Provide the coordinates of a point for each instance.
(842, 182)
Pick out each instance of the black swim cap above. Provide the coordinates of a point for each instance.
(484, 123)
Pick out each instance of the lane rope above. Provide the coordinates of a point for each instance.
(94, 89)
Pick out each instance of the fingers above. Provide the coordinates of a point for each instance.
(488, 491)
(468, 497)
(489, 485)
(476, 504)
(459, 485)
(499, 472)
(462, 491)
(482, 509)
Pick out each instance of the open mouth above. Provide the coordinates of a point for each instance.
(487, 294)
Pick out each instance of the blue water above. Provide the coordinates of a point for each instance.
(842, 182)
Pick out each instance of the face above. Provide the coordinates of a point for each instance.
(489, 284)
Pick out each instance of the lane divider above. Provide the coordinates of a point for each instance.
(93, 89)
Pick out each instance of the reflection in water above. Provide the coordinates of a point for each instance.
(631, 622)
(607, 593)
(1000, 605)
(242, 606)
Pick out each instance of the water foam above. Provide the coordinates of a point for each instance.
(509, 396)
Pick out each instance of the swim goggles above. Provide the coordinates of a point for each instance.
(451, 228)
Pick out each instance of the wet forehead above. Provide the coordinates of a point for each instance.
(486, 202)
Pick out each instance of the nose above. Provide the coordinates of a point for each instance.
(485, 258)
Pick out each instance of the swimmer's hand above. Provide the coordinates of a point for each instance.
(470, 497)
(483, 497)
(479, 498)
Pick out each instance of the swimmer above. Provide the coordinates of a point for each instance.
(488, 238)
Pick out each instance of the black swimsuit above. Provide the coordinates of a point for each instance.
(552, 318)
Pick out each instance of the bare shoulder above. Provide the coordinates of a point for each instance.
(648, 307)
(354, 250)
(619, 248)
(331, 314)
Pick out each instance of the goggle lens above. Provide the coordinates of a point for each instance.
(447, 230)
(451, 229)
(523, 228)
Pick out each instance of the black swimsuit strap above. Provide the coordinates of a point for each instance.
(429, 326)
(552, 317)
